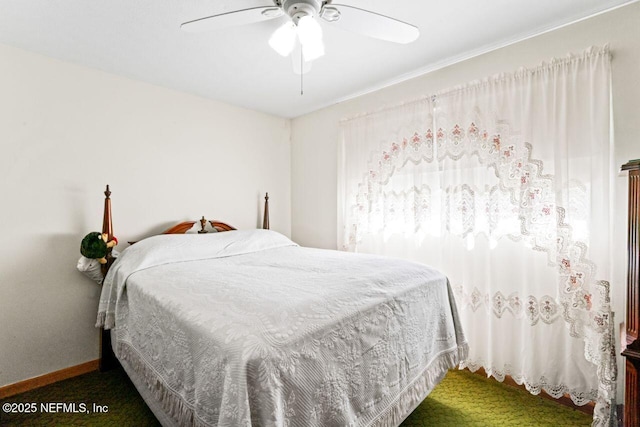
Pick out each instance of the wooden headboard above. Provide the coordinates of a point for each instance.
(185, 226)
(180, 228)
(107, 358)
(219, 226)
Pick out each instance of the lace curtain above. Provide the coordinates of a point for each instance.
(503, 185)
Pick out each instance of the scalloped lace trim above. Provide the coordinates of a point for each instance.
(604, 413)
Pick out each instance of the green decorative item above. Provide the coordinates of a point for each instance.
(95, 246)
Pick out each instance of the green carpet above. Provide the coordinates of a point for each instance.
(466, 399)
(462, 399)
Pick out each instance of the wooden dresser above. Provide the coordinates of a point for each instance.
(631, 348)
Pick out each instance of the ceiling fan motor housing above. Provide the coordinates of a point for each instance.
(298, 9)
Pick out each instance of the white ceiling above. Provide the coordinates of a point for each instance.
(141, 39)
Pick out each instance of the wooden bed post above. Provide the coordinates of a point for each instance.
(107, 357)
(265, 221)
(107, 227)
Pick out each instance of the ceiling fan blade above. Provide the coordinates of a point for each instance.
(372, 24)
(230, 19)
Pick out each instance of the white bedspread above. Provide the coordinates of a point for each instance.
(245, 328)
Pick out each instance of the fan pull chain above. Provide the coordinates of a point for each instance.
(301, 72)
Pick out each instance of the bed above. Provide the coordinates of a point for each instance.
(246, 328)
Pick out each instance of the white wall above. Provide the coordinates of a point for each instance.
(65, 132)
(314, 136)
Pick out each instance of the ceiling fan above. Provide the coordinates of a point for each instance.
(303, 30)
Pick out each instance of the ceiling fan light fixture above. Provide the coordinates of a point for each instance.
(283, 39)
(309, 30)
(310, 35)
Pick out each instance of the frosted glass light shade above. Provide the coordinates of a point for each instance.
(283, 39)
(309, 30)
(310, 34)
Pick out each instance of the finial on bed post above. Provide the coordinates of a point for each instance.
(265, 221)
(203, 222)
(107, 227)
